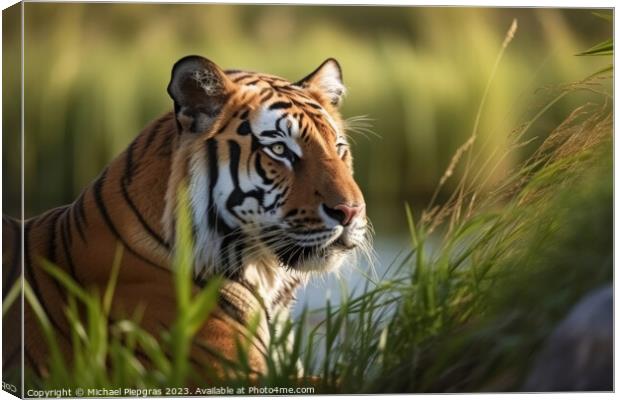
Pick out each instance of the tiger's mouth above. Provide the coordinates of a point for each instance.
(313, 248)
(298, 256)
(294, 256)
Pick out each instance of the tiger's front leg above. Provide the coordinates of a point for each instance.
(214, 349)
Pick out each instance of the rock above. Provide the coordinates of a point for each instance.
(578, 355)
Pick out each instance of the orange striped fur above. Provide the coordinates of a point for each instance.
(272, 199)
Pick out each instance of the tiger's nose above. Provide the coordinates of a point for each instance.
(344, 213)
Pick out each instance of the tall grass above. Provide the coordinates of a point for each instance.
(491, 270)
(97, 73)
(464, 314)
(111, 353)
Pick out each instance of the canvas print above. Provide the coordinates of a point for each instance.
(226, 199)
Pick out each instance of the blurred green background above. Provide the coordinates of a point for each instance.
(95, 74)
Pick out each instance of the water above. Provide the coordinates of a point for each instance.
(315, 294)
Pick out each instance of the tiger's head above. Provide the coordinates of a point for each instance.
(269, 169)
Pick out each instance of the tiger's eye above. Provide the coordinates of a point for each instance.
(278, 149)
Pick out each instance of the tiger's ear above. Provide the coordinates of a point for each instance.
(200, 89)
(327, 80)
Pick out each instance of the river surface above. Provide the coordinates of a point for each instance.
(388, 250)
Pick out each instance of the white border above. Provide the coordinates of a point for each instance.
(431, 3)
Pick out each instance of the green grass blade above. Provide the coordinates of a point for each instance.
(11, 296)
(605, 48)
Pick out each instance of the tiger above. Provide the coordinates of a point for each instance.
(272, 199)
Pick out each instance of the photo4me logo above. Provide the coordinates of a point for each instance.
(266, 390)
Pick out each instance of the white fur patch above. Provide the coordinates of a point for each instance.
(331, 122)
(267, 279)
(209, 81)
(206, 242)
(266, 121)
(329, 81)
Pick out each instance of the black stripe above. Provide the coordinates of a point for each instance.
(128, 171)
(237, 196)
(275, 202)
(304, 131)
(234, 258)
(58, 231)
(77, 222)
(7, 361)
(151, 136)
(125, 182)
(232, 311)
(165, 147)
(97, 188)
(315, 105)
(291, 213)
(232, 249)
(239, 247)
(14, 268)
(226, 259)
(40, 220)
(223, 359)
(280, 105)
(66, 227)
(55, 231)
(241, 77)
(225, 125)
(244, 128)
(81, 212)
(287, 293)
(310, 231)
(32, 281)
(268, 95)
(51, 249)
(67, 253)
(260, 171)
(243, 282)
(282, 118)
(285, 191)
(272, 133)
(30, 358)
(213, 176)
